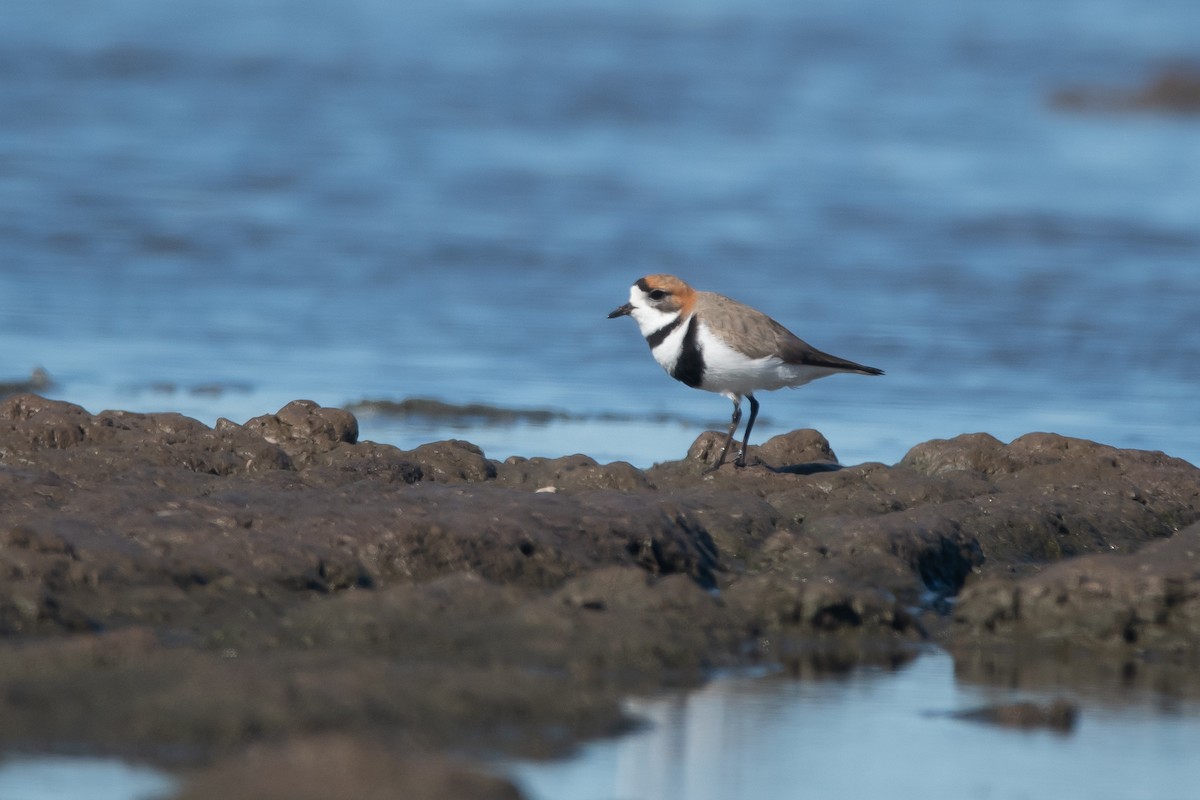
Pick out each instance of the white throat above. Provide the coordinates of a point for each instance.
(648, 318)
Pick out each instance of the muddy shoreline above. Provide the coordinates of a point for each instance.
(228, 601)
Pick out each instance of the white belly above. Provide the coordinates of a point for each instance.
(729, 372)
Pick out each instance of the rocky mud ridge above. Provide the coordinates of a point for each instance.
(236, 601)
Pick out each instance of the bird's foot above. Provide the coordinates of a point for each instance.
(716, 465)
(740, 462)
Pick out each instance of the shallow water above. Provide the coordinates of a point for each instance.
(216, 207)
(877, 733)
(74, 778)
(869, 732)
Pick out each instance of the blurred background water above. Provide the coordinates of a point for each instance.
(218, 206)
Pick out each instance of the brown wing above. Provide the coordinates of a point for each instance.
(800, 352)
(758, 336)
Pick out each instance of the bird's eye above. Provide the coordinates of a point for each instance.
(657, 294)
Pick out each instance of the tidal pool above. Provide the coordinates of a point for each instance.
(877, 733)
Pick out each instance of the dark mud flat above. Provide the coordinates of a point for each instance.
(277, 610)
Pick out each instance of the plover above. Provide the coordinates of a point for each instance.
(711, 342)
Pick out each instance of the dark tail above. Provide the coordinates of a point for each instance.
(816, 358)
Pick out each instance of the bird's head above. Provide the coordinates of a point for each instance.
(656, 300)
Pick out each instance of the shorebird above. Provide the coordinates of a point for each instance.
(710, 342)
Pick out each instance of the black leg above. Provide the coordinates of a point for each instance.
(733, 424)
(740, 461)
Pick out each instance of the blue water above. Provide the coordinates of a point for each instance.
(79, 777)
(877, 734)
(868, 733)
(218, 206)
